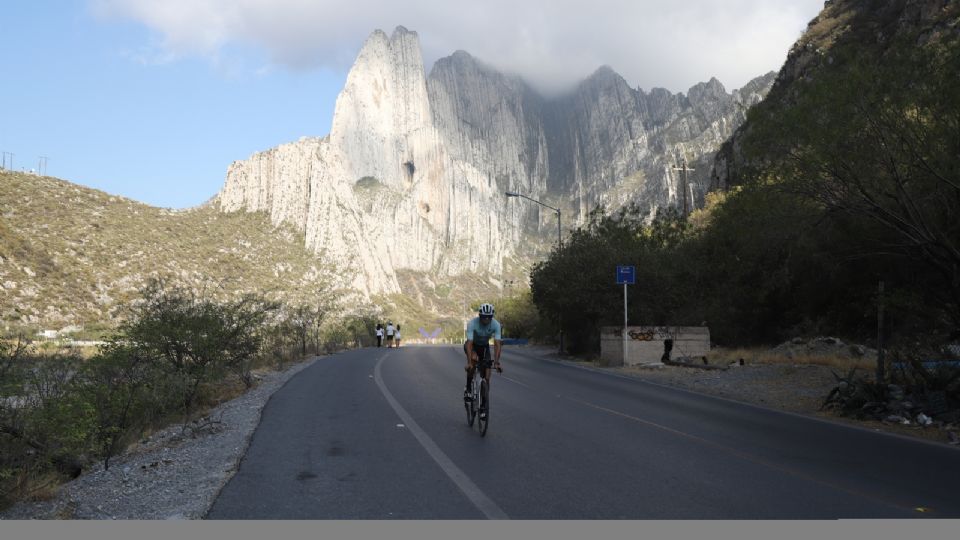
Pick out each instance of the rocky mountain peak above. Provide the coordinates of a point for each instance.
(401, 31)
(459, 56)
(413, 172)
(604, 72)
(711, 91)
(603, 80)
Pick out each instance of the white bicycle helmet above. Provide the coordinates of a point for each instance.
(486, 310)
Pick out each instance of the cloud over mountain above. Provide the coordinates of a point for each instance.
(552, 43)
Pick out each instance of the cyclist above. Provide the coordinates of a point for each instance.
(479, 331)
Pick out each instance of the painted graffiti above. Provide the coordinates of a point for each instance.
(650, 335)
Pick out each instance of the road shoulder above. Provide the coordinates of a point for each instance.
(794, 388)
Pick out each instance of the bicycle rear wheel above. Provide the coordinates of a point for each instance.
(471, 407)
(484, 420)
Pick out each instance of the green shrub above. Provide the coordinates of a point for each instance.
(45, 424)
(172, 356)
(127, 391)
(196, 339)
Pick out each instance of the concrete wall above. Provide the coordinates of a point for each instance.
(645, 343)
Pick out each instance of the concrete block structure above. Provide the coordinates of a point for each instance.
(646, 344)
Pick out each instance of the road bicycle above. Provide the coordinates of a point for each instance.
(479, 394)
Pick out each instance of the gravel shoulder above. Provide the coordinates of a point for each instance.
(173, 474)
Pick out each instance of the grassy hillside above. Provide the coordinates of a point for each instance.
(74, 256)
(70, 255)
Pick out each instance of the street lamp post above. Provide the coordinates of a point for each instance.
(559, 245)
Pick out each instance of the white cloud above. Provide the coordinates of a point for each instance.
(551, 42)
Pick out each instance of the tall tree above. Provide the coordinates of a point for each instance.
(877, 138)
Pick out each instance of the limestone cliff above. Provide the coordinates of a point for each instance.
(412, 174)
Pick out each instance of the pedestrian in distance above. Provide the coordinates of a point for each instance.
(379, 335)
(396, 337)
(390, 331)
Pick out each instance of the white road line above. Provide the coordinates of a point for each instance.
(460, 478)
(515, 381)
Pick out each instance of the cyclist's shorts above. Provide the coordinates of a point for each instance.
(483, 353)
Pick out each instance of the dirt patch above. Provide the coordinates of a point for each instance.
(794, 388)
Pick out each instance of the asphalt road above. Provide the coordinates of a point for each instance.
(382, 434)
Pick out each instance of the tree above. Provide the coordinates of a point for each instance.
(196, 338)
(302, 322)
(518, 316)
(117, 383)
(877, 138)
(576, 284)
(325, 304)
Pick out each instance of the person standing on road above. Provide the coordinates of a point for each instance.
(396, 336)
(379, 335)
(390, 332)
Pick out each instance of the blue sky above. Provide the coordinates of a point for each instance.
(153, 100)
(160, 133)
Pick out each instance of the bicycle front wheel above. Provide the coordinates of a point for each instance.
(484, 419)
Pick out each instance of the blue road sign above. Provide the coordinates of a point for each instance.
(626, 275)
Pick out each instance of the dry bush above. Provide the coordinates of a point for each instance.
(723, 356)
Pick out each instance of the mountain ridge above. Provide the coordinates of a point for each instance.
(446, 144)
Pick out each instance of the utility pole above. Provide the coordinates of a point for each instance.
(683, 167)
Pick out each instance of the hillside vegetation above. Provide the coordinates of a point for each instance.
(74, 256)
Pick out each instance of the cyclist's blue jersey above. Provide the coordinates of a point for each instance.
(481, 334)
